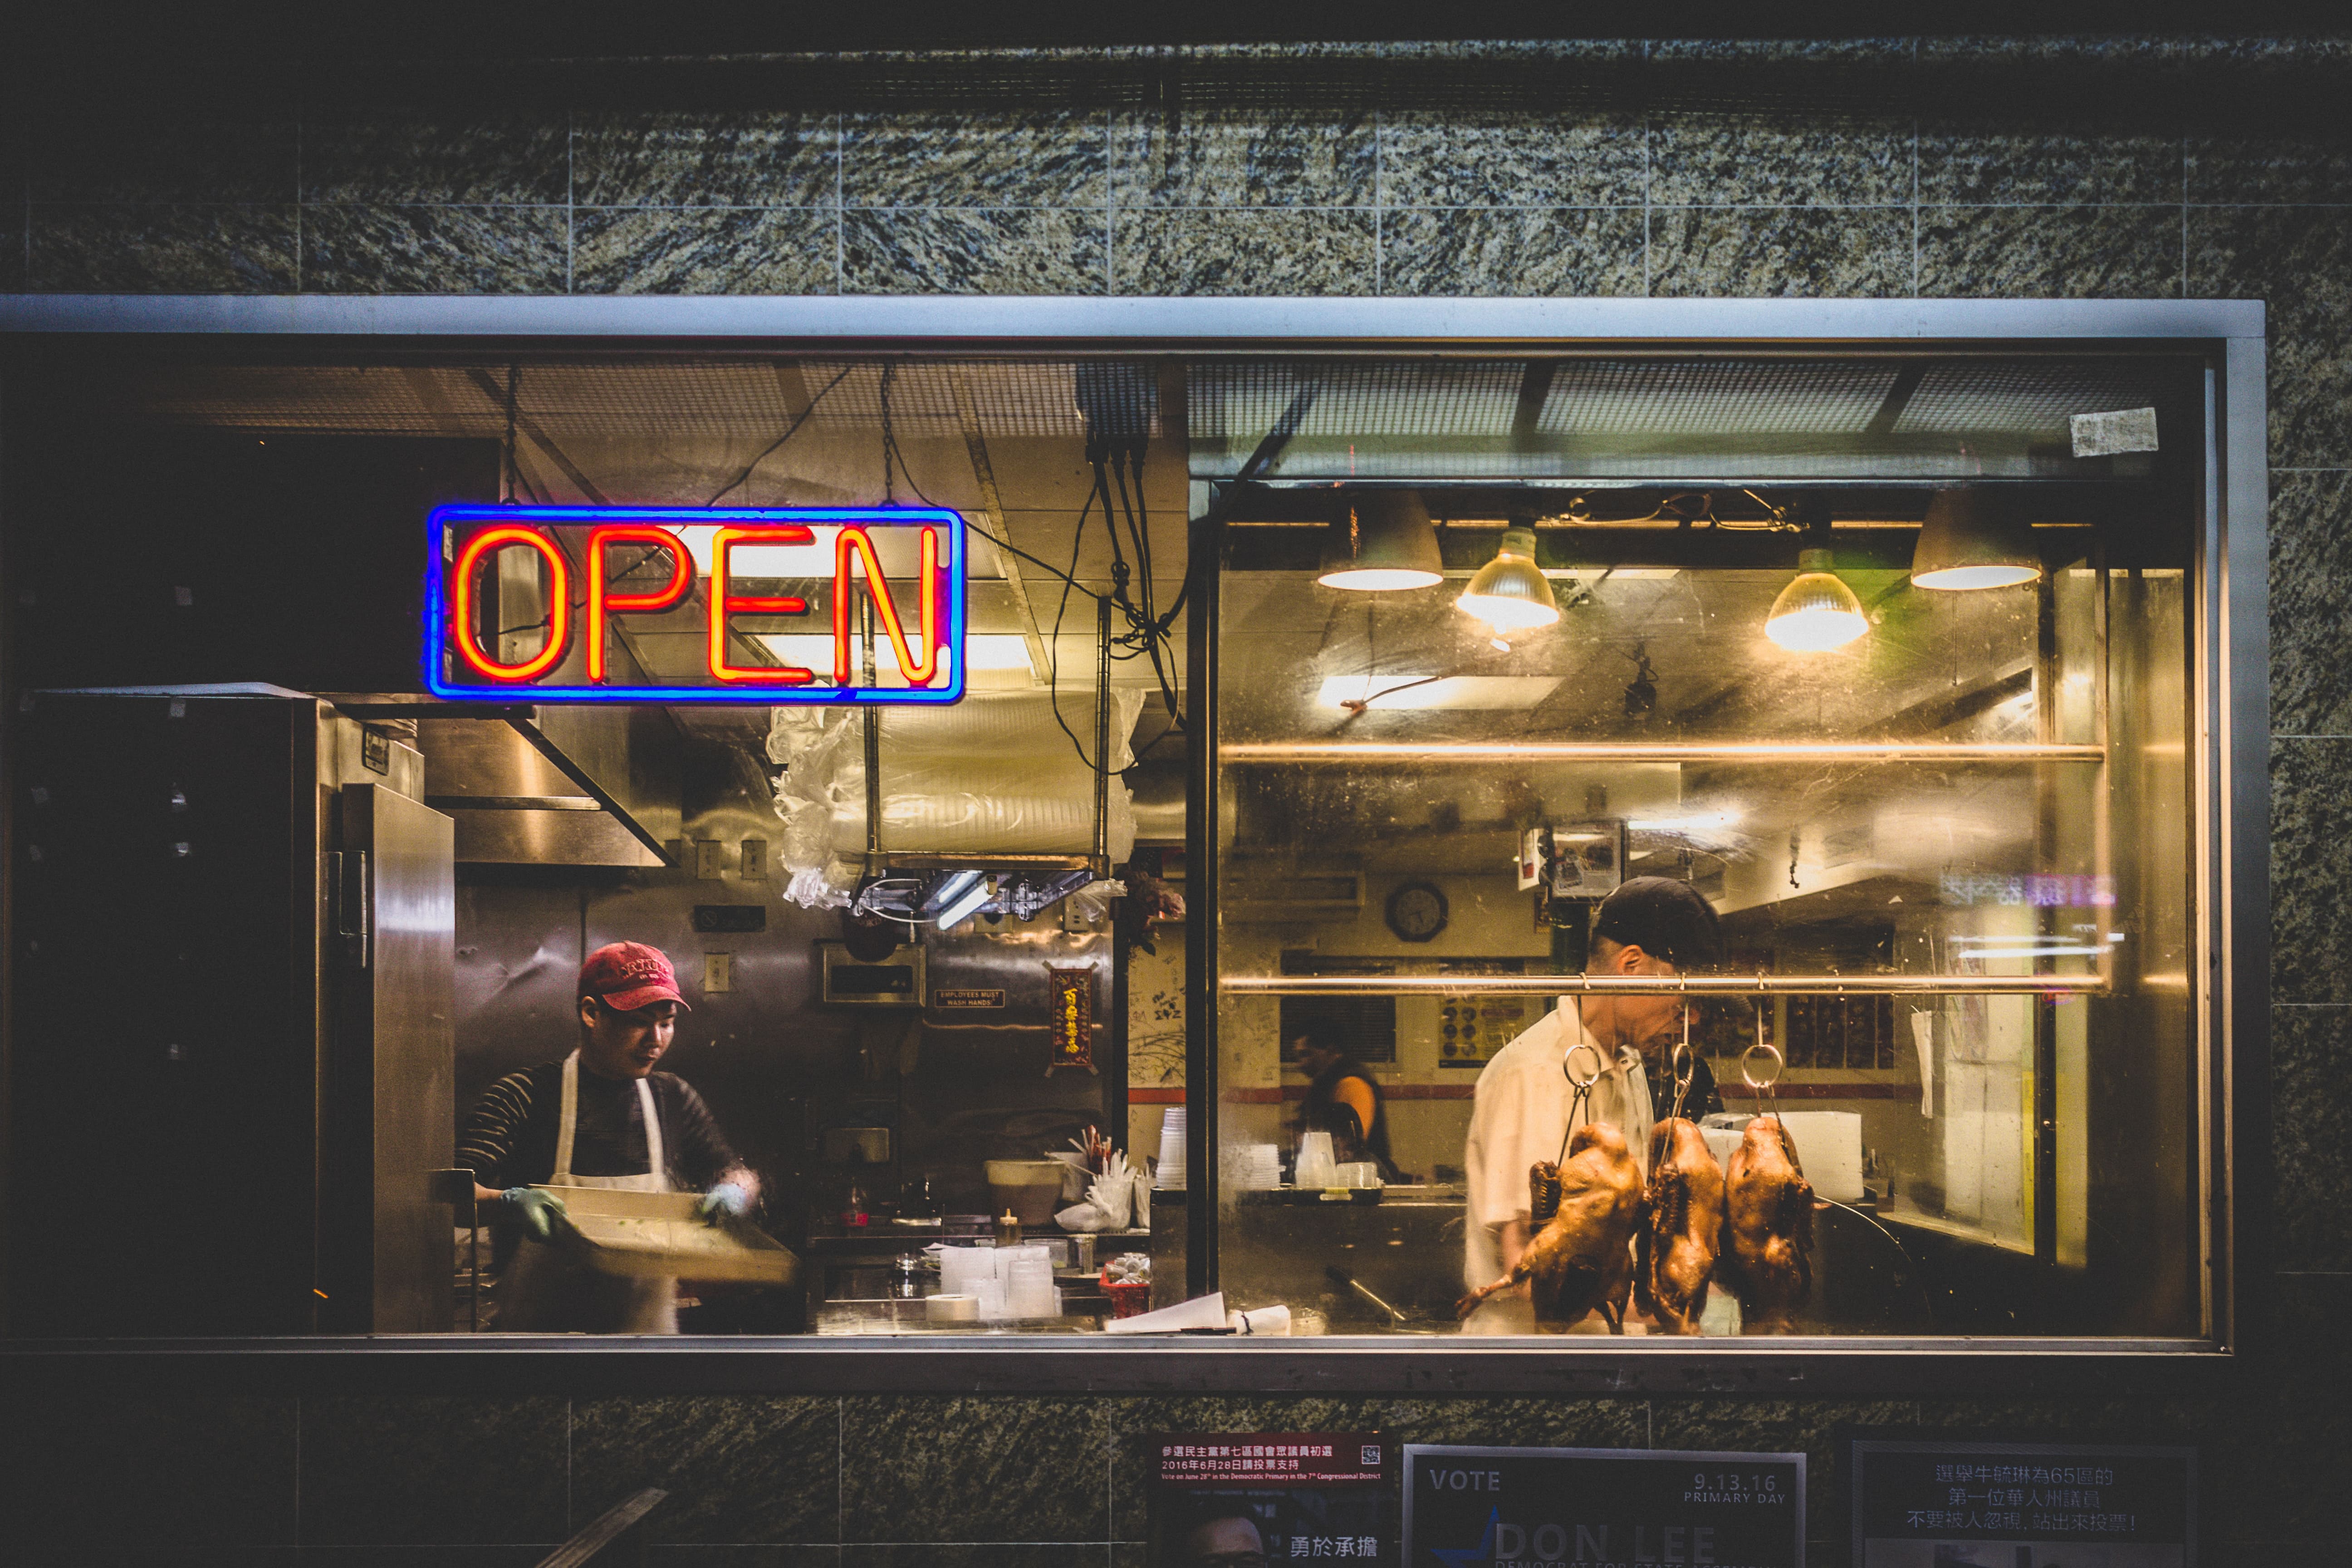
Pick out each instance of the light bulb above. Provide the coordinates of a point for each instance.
(1817, 612)
(1974, 537)
(1385, 542)
(1510, 594)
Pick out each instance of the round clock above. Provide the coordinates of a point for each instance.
(1416, 912)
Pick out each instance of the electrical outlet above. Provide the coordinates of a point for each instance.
(710, 859)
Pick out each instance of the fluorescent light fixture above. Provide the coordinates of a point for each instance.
(2034, 953)
(969, 905)
(1816, 612)
(951, 887)
(1696, 821)
(1385, 542)
(1509, 592)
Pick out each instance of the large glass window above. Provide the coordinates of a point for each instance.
(1873, 672)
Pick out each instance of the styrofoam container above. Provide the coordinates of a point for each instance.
(1829, 1147)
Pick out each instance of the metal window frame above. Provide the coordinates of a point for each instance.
(2232, 659)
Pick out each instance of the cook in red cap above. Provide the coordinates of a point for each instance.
(602, 1117)
(627, 975)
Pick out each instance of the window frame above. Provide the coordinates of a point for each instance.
(2231, 672)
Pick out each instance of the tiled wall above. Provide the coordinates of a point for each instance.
(1392, 198)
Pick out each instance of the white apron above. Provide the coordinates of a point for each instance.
(547, 1290)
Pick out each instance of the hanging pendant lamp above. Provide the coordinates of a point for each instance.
(1973, 539)
(1510, 592)
(1385, 542)
(1817, 612)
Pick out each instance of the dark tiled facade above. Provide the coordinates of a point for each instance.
(1365, 196)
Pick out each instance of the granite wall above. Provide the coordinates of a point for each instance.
(1885, 168)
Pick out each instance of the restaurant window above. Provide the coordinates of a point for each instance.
(1864, 682)
(328, 800)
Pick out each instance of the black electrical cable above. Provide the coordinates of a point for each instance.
(1053, 653)
(800, 419)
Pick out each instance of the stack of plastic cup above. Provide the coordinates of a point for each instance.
(1029, 1284)
(1170, 1174)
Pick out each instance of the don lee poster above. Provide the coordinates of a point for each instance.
(1602, 1507)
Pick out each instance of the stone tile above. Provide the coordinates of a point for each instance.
(704, 251)
(980, 1469)
(434, 250)
(661, 1554)
(390, 158)
(2299, 260)
(163, 249)
(1969, 164)
(737, 1468)
(114, 157)
(2161, 1419)
(11, 250)
(516, 1556)
(2050, 252)
(1238, 160)
(2311, 1138)
(2238, 171)
(438, 1470)
(977, 160)
(1545, 251)
(87, 1473)
(1515, 161)
(1754, 160)
(2311, 864)
(1777, 1427)
(2311, 577)
(699, 160)
(1774, 251)
(1243, 252)
(967, 250)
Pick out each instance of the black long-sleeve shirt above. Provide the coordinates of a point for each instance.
(509, 1136)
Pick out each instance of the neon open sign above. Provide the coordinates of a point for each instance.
(714, 573)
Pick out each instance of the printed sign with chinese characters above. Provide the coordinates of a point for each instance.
(1950, 1502)
(1270, 1496)
(1073, 1018)
(1481, 1507)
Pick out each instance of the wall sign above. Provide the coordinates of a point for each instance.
(736, 580)
(1072, 1041)
(967, 999)
(1950, 1502)
(1598, 1508)
(1269, 1497)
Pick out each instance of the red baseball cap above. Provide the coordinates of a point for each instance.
(627, 975)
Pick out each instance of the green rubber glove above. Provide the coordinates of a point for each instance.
(725, 1200)
(540, 1214)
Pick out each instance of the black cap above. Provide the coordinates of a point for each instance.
(1663, 918)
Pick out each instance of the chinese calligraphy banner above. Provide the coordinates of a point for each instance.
(1601, 1507)
(1253, 1497)
(1951, 1503)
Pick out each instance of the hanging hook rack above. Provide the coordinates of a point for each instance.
(1582, 1104)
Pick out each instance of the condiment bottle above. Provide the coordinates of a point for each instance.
(1008, 1230)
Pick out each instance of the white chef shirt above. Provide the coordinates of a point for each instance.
(1519, 1117)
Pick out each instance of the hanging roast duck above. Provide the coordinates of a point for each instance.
(1768, 1229)
(1582, 1258)
(1677, 1252)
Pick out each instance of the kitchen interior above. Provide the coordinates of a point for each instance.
(918, 1083)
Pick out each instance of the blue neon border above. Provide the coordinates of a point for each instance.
(462, 514)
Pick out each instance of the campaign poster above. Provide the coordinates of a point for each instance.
(1953, 1502)
(1602, 1507)
(1245, 1499)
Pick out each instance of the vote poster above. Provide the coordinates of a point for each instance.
(1952, 1503)
(1602, 1507)
(1241, 1499)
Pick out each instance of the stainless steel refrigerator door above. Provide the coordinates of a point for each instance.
(393, 940)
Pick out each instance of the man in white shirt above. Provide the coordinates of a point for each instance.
(1650, 925)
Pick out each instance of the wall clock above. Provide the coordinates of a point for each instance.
(1416, 912)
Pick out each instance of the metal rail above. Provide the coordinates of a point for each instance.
(1654, 986)
(1383, 752)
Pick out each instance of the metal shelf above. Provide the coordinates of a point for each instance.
(1373, 752)
(1653, 985)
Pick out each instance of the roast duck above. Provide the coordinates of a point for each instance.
(1768, 1228)
(1589, 1207)
(1676, 1248)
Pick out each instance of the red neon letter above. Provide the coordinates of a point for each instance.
(477, 550)
(854, 540)
(601, 603)
(723, 605)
